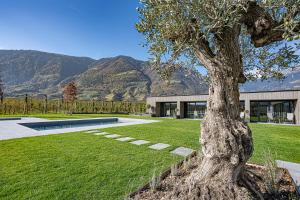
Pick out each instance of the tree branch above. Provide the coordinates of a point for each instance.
(262, 27)
(201, 43)
(206, 61)
(267, 38)
(193, 33)
(204, 44)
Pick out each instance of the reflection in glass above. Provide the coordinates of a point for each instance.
(272, 111)
(195, 110)
(169, 109)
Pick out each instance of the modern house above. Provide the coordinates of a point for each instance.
(265, 106)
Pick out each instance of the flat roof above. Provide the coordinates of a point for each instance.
(268, 91)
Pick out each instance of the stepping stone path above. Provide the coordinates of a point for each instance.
(182, 151)
(124, 139)
(159, 146)
(112, 136)
(139, 142)
(92, 131)
(293, 169)
(101, 133)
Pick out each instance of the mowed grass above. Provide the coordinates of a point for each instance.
(75, 166)
(85, 166)
(281, 140)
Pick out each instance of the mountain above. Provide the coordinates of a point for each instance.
(117, 78)
(36, 72)
(290, 82)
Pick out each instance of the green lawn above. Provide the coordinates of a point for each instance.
(85, 166)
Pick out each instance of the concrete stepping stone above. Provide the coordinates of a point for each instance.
(293, 169)
(182, 151)
(124, 139)
(101, 133)
(112, 136)
(159, 146)
(92, 131)
(139, 142)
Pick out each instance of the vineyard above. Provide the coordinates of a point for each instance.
(28, 105)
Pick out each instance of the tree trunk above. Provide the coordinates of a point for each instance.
(226, 143)
(226, 140)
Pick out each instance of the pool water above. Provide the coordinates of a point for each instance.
(42, 126)
(10, 118)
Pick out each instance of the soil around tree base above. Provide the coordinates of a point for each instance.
(168, 185)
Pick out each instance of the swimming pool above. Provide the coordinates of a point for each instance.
(51, 125)
(10, 118)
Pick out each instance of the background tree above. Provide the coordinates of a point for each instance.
(1, 90)
(70, 95)
(26, 105)
(45, 110)
(233, 40)
(93, 105)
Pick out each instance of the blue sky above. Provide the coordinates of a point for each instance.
(93, 28)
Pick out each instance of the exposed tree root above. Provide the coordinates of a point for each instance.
(186, 184)
(250, 184)
(214, 189)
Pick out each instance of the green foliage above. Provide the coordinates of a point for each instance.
(175, 31)
(273, 60)
(13, 106)
(286, 11)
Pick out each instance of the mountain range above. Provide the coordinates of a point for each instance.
(117, 78)
(290, 82)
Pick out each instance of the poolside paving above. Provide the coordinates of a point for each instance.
(112, 136)
(124, 139)
(11, 129)
(159, 146)
(182, 151)
(294, 170)
(139, 142)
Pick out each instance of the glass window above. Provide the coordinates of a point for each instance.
(169, 109)
(198, 109)
(272, 111)
(195, 110)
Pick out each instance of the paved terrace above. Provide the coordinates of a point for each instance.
(11, 129)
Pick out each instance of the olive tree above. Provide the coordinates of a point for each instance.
(234, 40)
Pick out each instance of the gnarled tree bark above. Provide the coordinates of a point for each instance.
(226, 139)
(226, 143)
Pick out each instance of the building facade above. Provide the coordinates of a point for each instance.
(267, 106)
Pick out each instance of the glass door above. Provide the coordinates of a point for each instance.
(169, 109)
